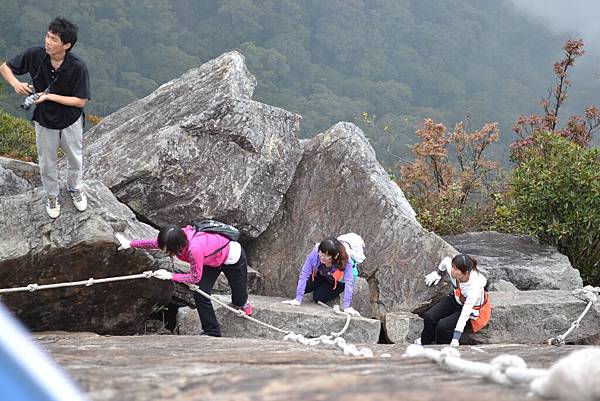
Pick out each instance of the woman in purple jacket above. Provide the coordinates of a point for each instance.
(327, 272)
(202, 249)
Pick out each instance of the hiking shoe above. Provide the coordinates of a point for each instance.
(79, 199)
(204, 333)
(52, 207)
(247, 308)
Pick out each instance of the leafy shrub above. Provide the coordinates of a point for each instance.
(555, 195)
(17, 138)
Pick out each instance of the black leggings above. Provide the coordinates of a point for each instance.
(237, 276)
(322, 288)
(440, 321)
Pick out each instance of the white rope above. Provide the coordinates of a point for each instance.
(587, 293)
(506, 369)
(87, 283)
(238, 312)
(334, 339)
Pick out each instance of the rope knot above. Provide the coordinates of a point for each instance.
(587, 293)
(148, 274)
(32, 287)
(89, 282)
(501, 363)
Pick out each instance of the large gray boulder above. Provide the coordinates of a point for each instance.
(198, 147)
(35, 249)
(518, 259)
(533, 317)
(12, 184)
(340, 187)
(310, 320)
(17, 177)
(402, 327)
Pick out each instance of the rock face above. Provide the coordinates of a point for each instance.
(518, 259)
(17, 177)
(340, 187)
(75, 247)
(309, 319)
(533, 317)
(148, 368)
(402, 327)
(198, 147)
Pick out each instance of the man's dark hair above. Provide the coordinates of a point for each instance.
(65, 30)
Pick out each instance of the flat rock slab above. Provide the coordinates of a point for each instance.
(309, 319)
(536, 316)
(185, 368)
(518, 259)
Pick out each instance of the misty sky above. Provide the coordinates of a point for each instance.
(565, 16)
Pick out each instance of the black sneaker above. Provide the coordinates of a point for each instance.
(204, 333)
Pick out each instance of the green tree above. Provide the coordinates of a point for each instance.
(555, 196)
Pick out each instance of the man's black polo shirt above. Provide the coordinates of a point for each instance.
(71, 79)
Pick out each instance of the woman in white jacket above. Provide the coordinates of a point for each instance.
(446, 321)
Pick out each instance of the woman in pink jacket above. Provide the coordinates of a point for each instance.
(208, 254)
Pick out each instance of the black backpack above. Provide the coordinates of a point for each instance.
(213, 226)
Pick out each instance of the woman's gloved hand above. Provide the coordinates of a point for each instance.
(162, 274)
(124, 243)
(432, 278)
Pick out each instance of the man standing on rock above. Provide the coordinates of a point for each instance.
(60, 90)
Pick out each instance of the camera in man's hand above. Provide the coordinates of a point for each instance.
(29, 100)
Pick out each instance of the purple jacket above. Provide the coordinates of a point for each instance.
(312, 265)
(199, 245)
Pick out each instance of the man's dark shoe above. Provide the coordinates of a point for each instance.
(204, 333)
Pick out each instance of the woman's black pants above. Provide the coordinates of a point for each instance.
(237, 276)
(440, 321)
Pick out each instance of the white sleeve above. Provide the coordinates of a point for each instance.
(465, 314)
(445, 264)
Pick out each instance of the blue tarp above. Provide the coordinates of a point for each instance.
(27, 373)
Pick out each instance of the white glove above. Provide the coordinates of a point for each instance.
(454, 343)
(162, 274)
(124, 242)
(445, 264)
(352, 311)
(293, 302)
(432, 278)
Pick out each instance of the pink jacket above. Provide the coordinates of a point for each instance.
(199, 245)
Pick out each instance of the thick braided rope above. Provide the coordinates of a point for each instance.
(506, 369)
(587, 293)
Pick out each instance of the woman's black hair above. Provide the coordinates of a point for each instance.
(334, 248)
(464, 263)
(172, 239)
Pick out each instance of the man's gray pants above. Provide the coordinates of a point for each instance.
(70, 139)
